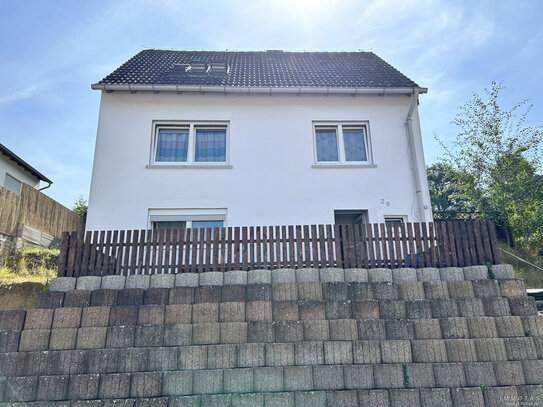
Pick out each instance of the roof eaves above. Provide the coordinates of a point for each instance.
(18, 160)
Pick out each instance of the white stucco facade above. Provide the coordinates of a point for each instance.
(271, 177)
(16, 171)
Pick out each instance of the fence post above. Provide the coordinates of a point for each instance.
(63, 255)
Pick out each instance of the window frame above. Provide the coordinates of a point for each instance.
(339, 126)
(192, 126)
(19, 183)
(186, 215)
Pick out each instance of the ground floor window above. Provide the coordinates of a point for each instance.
(194, 219)
(350, 216)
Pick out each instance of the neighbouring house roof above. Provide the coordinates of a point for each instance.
(338, 72)
(18, 160)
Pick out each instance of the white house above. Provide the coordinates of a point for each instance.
(201, 138)
(14, 171)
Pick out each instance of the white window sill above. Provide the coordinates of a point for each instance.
(344, 166)
(189, 166)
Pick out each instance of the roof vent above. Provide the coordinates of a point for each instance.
(197, 67)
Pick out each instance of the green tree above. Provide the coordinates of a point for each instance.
(446, 190)
(80, 206)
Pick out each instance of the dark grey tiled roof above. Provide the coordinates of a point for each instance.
(265, 68)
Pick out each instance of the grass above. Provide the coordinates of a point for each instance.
(531, 275)
(28, 265)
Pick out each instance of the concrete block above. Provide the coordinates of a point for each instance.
(307, 275)
(206, 333)
(503, 271)
(539, 346)
(309, 309)
(146, 384)
(427, 329)
(309, 353)
(177, 383)
(522, 306)
(100, 316)
(279, 354)
(279, 399)
(449, 375)
(404, 397)
(418, 309)
(358, 377)
(475, 273)
(149, 335)
(334, 291)
(399, 329)
(509, 326)
(369, 329)
(233, 332)
(130, 296)
(285, 292)
(9, 342)
(490, 349)
(21, 389)
(444, 308)
(396, 351)
(533, 371)
(512, 288)
(285, 275)
(468, 396)
(470, 307)
(251, 354)
(268, 379)
(258, 311)
(232, 312)
(460, 289)
(62, 284)
(509, 373)
(332, 275)
(454, 328)
(233, 293)
(328, 377)
(404, 275)
(388, 376)
(496, 307)
(533, 325)
(486, 288)
(209, 293)
(103, 298)
(480, 374)
(178, 313)
(235, 277)
(359, 291)
(187, 280)
(309, 291)
(151, 314)
(12, 319)
(411, 291)
(482, 327)
(427, 274)
(162, 358)
(192, 357)
(298, 378)
(377, 398)
(205, 312)
(435, 290)
(248, 400)
(132, 360)
(50, 299)
(347, 398)
(63, 338)
(289, 331)
(285, 311)
(365, 309)
(89, 283)
(185, 401)
(419, 375)
(366, 352)
(42, 363)
(429, 351)
(343, 330)
(120, 336)
(123, 316)
(260, 331)
(177, 334)
(91, 337)
(530, 393)
(261, 276)
(338, 352)
(52, 388)
(211, 278)
(113, 282)
(67, 318)
(33, 340)
(338, 309)
(520, 348)
(316, 330)
(221, 356)
(258, 292)
(379, 275)
(238, 380)
(436, 397)
(494, 396)
(83, 387)
(460, 350)
(451, 274)
(310, 399)
(356, 275)
(392, 309)
(156, 296)
(385, 291)
(39, 318)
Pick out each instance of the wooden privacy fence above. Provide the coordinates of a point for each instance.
(440, 244)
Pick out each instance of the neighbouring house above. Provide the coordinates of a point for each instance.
(27, 216)
(208, 139)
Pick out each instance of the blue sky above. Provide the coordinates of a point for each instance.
(52, 50)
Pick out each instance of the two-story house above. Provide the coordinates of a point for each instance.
(207, 139)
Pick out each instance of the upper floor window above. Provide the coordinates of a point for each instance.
(13, 184)
(190, 143)
(342, 143)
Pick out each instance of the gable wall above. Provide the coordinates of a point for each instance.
(16, 171)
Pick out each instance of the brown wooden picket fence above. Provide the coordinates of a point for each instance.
(127, 252)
